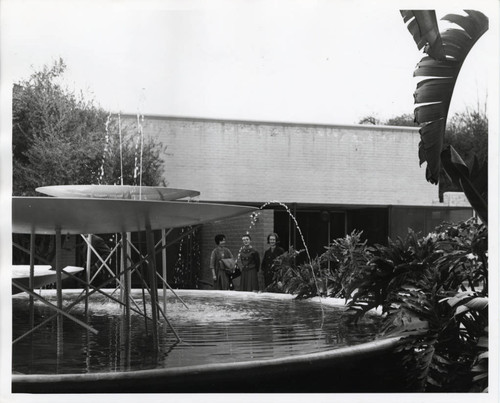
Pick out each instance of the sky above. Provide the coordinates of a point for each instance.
(310, 61)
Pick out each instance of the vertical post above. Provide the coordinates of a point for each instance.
(87, 271)
(128, 253)
(125, 325)
(59, 293)
(32, 275)
(58, 269)
(152, 282)
(164, 267)
(294, 229)
(329, 237)
(125, 278)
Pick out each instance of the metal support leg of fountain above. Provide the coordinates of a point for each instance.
(59, 294)
(126, 277)
(87, 271)
(163, 245)
(163, 276)
(87, 285)
(164, 266)
(152, 282)
(32, 281)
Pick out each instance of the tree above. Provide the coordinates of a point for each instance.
(467, 133)
(60, 138)
(405, 119)
(400, 120)
(369, 120)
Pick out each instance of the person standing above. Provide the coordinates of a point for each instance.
(219, 275)
(270, 254)
(249, 264)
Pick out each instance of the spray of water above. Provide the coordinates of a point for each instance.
(253, 220)
(139, 146)
(141, 136)
(106, 146)
(295, 222)
(255, 215)
(121, 147)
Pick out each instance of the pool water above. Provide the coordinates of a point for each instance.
(216, 327)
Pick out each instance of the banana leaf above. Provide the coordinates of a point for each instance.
(473, 181)
(446, 53)
(424, 29)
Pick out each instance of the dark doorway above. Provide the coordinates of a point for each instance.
(374, 222)
(317, 228)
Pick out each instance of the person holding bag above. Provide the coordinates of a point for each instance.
(220, 275)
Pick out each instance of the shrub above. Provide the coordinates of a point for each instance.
(433, 292)
(330, 274)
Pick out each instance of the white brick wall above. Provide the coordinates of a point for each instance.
(302, 163)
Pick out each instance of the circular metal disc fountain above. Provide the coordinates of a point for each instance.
(117, 192)
(45, 215)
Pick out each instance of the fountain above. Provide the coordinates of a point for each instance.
(326, 367)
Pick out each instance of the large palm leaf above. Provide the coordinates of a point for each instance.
(446, 53)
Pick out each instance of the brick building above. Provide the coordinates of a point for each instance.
(333, 178)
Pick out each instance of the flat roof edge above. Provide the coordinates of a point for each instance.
(275, 123)
(299, 204)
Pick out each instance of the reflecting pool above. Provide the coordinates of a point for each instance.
(215, 327)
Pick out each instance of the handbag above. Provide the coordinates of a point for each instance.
(229, 266)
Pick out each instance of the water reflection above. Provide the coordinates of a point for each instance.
(218, 327)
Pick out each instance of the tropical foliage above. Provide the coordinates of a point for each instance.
(330, 274)
(294, 279)
(432, 292)
(446, 54)
(461, 316)
(473, 180)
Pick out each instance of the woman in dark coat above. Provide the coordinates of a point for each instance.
(249, 264)
(269, 255)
